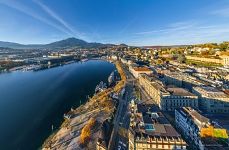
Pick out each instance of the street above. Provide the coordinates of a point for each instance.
(123, 121)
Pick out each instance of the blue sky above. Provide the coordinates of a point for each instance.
(135, 22)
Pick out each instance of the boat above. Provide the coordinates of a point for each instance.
(67, 116)
(100, 87)
(111, 78)
(84, 60)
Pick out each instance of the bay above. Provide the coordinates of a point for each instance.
(31, 102)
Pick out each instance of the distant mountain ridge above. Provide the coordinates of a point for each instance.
(66, 43)
(70, 43)
(169, 46)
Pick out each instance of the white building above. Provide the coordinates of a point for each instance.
(126, 61)
(150, 130)
(167, 98)
(114, 57)
(198, 129)
(212, 100)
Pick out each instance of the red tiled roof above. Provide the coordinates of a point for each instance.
(141, 69)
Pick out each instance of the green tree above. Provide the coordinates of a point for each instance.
(181, 58)
(223, 46)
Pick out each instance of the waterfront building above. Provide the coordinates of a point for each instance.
(114, 57)
(167, 98)
(199, 131)
(126, 61)
(212, 100)
(153, 131)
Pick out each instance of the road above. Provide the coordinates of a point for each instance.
(122, 107)
(122, 121)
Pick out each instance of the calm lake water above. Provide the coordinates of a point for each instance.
(31, 102)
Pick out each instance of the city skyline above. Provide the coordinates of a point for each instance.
(135, 23)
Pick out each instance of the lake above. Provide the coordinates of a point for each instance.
(31, 102)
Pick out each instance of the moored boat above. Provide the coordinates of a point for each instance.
(100, 87)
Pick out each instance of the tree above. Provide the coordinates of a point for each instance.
(86, 131)
(159, 61)
(181, 58)
(223, 46)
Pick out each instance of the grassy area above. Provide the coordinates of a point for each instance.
(202, 64)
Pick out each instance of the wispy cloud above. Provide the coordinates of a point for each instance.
(55, 16)
(129, 23)
(224, 12)
(26, 10)
(172, 27)
(183, 33)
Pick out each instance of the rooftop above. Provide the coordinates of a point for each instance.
(190, 112)
(155, 123)
(184, 77)
(155, 82)
(142, 69)
(211, 92)
(179, 92)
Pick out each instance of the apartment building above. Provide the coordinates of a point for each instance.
(199, 131)
(181, 80)
(212, 100)
(178, 97)
(153, 131)
(168, 98)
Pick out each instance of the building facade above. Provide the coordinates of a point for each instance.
(136, 71)
(224, 60)
(212, 100)
(181, 80)
(178, 97)
(198, 129)
(168, 99)
(152, 131)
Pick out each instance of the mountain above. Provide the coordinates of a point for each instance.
(9, 44)
(18, 46)
(66, 43)
(70, 42)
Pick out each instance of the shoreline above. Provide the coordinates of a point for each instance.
(76, 119)
(45, 67)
